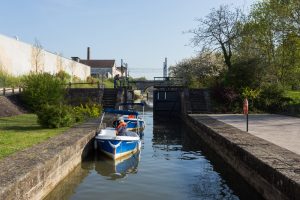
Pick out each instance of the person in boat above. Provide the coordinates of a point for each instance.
(131, 116)
(121, 128)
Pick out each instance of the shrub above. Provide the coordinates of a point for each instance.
(63, 76)
(88, 111)
(224, 95)
(272, 99)
(92, 80)
(76, 79)
(7, 80)
(55, 116)
(225, 98)
(42, 88)
(245, 73)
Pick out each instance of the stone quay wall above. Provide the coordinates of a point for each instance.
(77, 96)
(34, 172)
(273, 171)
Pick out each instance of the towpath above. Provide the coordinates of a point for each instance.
(281, 130)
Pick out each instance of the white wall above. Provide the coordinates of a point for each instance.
(17, 58)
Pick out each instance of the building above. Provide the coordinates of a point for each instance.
(100, 68)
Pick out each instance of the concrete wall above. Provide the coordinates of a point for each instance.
(18, 58)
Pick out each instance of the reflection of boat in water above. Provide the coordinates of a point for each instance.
(118, 168)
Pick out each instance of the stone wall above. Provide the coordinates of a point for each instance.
(273, 171)
(77, 96)
(18, 58)
(34, 172)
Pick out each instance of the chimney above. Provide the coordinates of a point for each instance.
(88, 53)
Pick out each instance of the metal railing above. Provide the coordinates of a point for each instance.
(86, 85)
(169, 81)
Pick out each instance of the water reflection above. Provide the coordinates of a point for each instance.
(213, 178)
(115, 169)
(174, 164)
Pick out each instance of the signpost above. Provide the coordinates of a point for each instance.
(246, 109)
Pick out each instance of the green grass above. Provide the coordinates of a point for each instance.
(22, 131)
(295, 95)
(108, 83)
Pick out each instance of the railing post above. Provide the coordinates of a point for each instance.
(13, 90)
(20, 89)
(3, 91)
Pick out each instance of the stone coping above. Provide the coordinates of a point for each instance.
(272, 170)
(32, 173)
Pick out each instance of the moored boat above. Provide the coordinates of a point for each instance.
(117, 146)
(134, 122)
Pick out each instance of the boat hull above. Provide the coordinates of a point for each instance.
(117, 146)
(132, 125)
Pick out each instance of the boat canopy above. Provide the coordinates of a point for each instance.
(133, 104)
(121, 112)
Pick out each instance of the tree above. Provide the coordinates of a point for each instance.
(199, 71)
(219, 29)
(275, 39)
(37, 57)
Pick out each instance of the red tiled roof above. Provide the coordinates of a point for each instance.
(99, 63)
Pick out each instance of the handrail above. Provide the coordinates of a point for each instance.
(99, 85)
(10, 90)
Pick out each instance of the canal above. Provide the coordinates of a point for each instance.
(173, 164)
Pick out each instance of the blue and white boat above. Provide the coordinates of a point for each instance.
(134, 122)
(116, 146)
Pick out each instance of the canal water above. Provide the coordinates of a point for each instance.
(173, 164)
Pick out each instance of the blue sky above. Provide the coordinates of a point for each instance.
(142, 32)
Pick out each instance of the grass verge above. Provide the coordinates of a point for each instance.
(295, 95)
(22, 131)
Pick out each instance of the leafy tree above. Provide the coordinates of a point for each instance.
(270, 35)
(219, 29)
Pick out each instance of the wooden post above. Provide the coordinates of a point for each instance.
(13, 90)
(70, 85)
(3, 91)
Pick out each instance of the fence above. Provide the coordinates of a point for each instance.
(85, 85)
(169, 81)
(10, 91)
